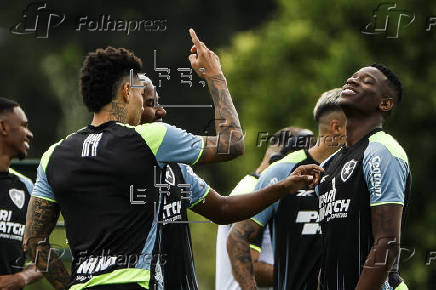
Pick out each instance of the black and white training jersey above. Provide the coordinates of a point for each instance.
(174, 266)
(372, 172)
(15, 190)
(107, 182)
(296, 234)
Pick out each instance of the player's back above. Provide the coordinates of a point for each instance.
(103, 180)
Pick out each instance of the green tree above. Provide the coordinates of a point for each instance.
(277, 72)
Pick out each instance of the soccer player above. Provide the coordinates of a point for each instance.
(296, 234)
(178, 269)
(15, 190)
(365, 188)
(280, 144)
(106, 178)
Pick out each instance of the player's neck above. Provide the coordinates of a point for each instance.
(358, 127)
(100, 118)
(110, 112)
(5, 159)
(323, 148)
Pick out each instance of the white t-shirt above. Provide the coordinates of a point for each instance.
(224, 279)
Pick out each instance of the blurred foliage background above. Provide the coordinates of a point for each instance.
(278, 57)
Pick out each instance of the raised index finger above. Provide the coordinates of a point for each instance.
(194, 37)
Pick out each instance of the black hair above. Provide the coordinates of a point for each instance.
(394, 81)
(7, 105)
(101, 72)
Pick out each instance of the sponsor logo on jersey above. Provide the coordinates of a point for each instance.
(170, 178)
(331, 208)
(158, 276)
(302, 192)
(273, 180)
(310, 220)
(171, 211)
(375, 175)
(323, 178)
(96, 264)
(348, 169)
(10, 230)
(18, 197)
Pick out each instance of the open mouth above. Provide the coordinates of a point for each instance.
(26, 144)
(348, 91)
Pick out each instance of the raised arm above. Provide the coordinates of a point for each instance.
(386, 229)
(229, 141)
(41, 219)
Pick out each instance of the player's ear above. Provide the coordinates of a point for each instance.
(125, 92)
(4, 127)
(335, 127)
(386, 104)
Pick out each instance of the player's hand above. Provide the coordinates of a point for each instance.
(305, 176)
(203, 60)
(11, 282)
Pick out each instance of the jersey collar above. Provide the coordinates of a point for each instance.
(363, 139)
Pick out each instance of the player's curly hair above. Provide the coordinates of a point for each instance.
(101, 72)
(394, 81)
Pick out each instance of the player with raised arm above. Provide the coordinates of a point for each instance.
(365, 188)
(105, 178)
(93, 156)
(296, 235)
(187, 190)
(15, 190)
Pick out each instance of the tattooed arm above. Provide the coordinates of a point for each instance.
(238, 248)
(41, 219)
(386, 228)
(263, 272)
(229, 141)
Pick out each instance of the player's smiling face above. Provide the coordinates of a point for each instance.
(364, 89)
(18, 134)
(152, 111)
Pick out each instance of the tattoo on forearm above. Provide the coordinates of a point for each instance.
(227, 123)
(239, 253)
(118, 112)
(41, 219)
